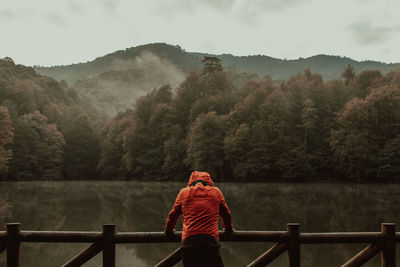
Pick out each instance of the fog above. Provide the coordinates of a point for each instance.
(118, 88)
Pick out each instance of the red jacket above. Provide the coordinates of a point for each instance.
(200, 206)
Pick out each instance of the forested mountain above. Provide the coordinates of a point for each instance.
(329, 67)
(236, 125)
(114, 82)
(47, 131)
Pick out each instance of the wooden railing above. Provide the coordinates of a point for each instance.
(383, 242)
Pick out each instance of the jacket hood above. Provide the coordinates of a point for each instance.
(203, 176)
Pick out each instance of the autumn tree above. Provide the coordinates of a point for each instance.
(367, 131)
(364, 82)
(255, 148)
(37, 149)
(216, 96)
(6, 135)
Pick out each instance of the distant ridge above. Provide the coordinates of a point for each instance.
(113, 82)
(329, 67)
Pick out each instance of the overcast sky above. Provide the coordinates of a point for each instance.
(59, 32)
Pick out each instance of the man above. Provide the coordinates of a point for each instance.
(201, 204)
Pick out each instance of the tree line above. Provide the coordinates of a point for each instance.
(300, 128)
(262, 130)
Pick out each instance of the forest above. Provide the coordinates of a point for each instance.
(256, 130)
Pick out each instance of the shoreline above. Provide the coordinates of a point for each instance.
(329, 180)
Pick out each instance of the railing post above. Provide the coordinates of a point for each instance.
(108, 245)
(13, 244)
(294, 245)
(389, 249)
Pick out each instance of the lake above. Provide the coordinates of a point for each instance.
(143, 206)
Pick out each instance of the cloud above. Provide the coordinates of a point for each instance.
(252, 10)
(56, 19)
(245, 10)
(172, 7)
(366, 33)
(76, 7)
(270, 5)
(220, 5)
(128, 79)
(111, 5)
(29, 13)
(7, 14)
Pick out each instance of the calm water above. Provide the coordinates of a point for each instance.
(137, 206)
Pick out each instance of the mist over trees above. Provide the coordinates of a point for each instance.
(115, 90)
(237, 126)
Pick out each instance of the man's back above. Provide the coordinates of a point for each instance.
(200, 203)
(200, 210)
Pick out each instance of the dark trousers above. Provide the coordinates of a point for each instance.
(204, 256)
(201, 251)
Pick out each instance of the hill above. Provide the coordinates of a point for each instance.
(124, 59)
(113, 82)
(329, 67)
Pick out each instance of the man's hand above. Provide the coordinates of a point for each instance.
(229, 230)
(169, 232)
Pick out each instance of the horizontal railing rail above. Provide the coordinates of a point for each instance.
(291, 240)
(161, 237)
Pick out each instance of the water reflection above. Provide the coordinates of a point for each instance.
(137, 206)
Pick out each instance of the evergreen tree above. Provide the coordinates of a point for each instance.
(389, 161)
(309, 119)
(82, 149)
(206, 144)
(348, 74)
(175, 144)
(211, 64)
(112, 146)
